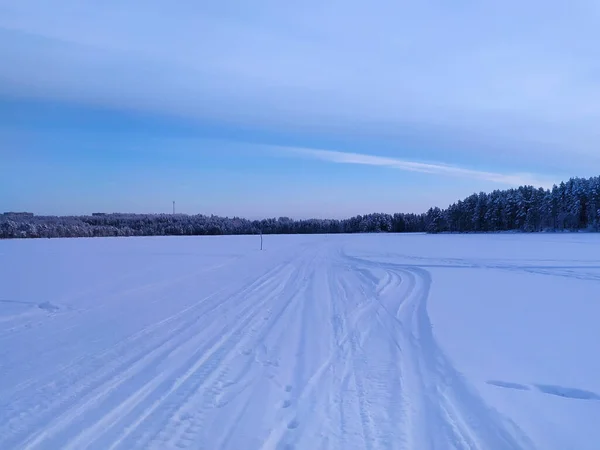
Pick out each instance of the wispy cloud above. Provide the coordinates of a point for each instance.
(471, 78)
(510, 179)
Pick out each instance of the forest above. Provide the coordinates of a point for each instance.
(570, 206)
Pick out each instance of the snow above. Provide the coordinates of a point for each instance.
(340, 342)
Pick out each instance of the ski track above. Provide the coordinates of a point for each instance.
(324, 350)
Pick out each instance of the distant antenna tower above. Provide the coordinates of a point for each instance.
(173, 206)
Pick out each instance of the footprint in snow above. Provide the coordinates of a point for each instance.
(47, 306)
(509, 385)
(560, 391)
(567, 392)
(185, 416)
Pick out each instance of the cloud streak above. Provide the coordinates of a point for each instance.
(476, 79)
(510, 179)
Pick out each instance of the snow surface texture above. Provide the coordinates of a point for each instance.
(317, 342)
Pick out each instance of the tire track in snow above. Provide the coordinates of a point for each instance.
(90, 364)
(274, 387)
(317, 332)
(347, 401)
(108, 373)
(346, 358)
(192, 399)
(446, 412)
(171, 388)
(203, 397)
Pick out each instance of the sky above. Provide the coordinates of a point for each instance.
(302, 109)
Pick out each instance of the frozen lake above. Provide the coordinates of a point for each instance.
(317, 342)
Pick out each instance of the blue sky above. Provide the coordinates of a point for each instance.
(266, 108)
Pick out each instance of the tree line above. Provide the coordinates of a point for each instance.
(574, 205)
(17, 225)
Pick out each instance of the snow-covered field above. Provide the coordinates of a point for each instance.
(339, 342)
